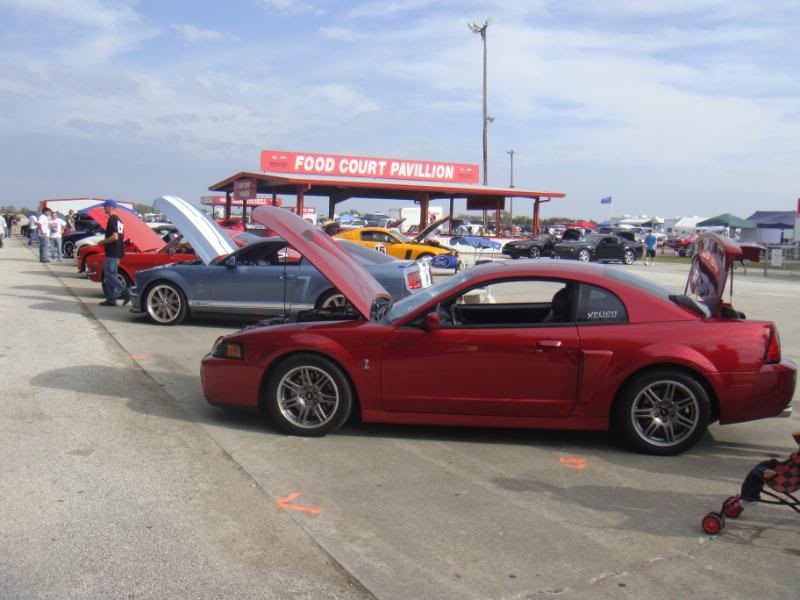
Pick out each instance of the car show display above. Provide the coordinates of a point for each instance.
(394, 243)
(265, 278)
(606, 348)
(600, 247)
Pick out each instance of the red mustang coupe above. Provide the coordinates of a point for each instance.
(538, 344)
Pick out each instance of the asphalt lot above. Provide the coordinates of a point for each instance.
(409, 512)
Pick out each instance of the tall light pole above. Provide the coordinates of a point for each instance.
(475, 28)
(511, 185)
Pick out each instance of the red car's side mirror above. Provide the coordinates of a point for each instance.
(431, 321)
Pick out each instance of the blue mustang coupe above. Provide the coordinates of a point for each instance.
(265, 278)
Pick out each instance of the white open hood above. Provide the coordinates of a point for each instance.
(206, 237)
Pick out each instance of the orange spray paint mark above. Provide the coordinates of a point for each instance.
(284, 503)
(579, 464)
(137, 356)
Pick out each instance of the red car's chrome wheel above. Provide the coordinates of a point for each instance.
(663, 412)
(308, 395)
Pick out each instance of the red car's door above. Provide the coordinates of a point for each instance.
(522, 372)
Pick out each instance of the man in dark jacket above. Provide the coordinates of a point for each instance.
(115, 250)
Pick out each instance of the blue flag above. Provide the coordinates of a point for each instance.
(606, 200)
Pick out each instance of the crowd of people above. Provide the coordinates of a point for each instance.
(44, 228)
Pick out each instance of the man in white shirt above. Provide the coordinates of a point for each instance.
(43, 230)
(57, 225)
(33, 226)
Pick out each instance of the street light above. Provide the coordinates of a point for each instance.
(511, 185)
(481, 29)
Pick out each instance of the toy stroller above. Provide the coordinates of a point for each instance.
(782, 478)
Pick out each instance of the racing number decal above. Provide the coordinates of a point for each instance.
(380, 248)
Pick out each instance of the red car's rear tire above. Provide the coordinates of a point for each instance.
(662, 412)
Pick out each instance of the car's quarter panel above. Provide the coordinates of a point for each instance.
(725, 354)
(353, 345)
(502, 371)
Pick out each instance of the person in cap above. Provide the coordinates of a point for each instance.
(115, 250)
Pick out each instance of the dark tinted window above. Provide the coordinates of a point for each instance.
(596, 305)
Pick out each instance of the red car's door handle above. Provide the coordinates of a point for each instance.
(549, 343)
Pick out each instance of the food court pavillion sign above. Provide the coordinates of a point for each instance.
(305, 163)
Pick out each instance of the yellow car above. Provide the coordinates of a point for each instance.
(395, 244)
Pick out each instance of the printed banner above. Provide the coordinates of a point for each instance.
(277, 161)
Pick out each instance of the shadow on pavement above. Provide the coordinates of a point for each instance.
(145, 395)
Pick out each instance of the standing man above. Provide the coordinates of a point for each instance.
(33, 225)
(115, 250)
(43, 231)
(9, 219)
(650, 244)
(57, 225)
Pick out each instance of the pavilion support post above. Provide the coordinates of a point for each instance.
(535, 228)
(300, 199)
(497, 223)
(244, 213)
(274, 197)
(331, 206)
(424, 202)
(452, 202)
(227, 205)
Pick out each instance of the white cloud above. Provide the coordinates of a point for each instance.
(291, 6)
(193, 34)
(339, 34)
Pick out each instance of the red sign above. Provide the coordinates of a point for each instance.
(220, 201)
(244, 189)
(485, 203)
(277, 161)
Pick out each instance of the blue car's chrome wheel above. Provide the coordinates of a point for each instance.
(165, 304)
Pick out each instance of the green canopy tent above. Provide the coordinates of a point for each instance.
(727, 220)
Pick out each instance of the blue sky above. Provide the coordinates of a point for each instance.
(672, 107)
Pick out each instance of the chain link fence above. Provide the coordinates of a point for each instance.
(777, 259)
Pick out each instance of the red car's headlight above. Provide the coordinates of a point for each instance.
(228, 349)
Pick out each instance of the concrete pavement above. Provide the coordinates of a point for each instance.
(108, 489)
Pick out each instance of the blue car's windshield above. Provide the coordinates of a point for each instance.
(409, 304)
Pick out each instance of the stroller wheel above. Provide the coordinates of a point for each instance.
(732, 507)
(713, 523)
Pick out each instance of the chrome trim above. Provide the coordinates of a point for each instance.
(248, 305)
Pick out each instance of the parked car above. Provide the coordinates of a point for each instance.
(607, 348)
(84, 229)
(266, 278)
(88, 246)
(539, 245)
(385, 240)
(600, 247)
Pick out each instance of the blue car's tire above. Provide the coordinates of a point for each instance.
(165, 303)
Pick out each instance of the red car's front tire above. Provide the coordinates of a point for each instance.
(308, 395)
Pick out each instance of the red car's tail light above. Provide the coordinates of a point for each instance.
(413, 280)
(773, 353)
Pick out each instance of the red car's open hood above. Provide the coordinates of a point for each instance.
(345, 273)
(712, 258)
(140, 235)
(420, 237)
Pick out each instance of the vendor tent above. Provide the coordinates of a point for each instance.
(687, 223)
(727, 220)
(773, 219)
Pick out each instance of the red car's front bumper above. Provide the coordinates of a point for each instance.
(230, 382)
(756, 395)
